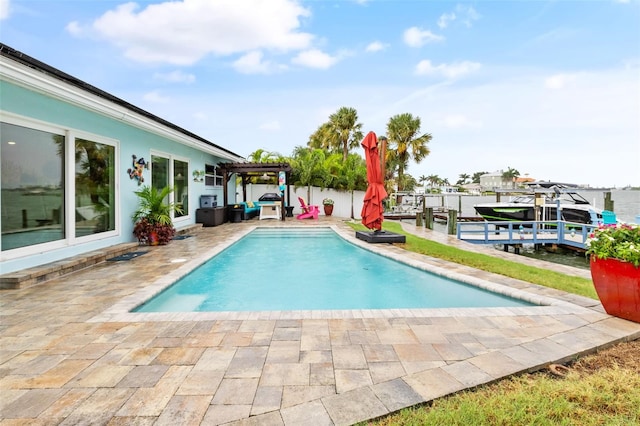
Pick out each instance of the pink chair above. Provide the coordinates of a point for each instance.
(308, 212)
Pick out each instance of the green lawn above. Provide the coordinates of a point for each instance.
(544, 277)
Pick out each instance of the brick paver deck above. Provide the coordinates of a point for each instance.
(71, 353)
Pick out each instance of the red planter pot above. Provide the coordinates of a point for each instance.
(618, 286)
(328, 209)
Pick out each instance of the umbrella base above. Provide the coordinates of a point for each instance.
(380, 237)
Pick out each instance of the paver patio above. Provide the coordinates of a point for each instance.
(71, 353)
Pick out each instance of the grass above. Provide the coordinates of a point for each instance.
(600, 389)
(608, 397)
(601, 393)
(544, 277)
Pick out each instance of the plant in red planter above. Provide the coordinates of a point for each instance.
(614, 252)
(152, 219)
(328, 206)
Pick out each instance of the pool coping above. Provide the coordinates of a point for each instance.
(547, 305)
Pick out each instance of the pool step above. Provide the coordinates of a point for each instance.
(25, 278)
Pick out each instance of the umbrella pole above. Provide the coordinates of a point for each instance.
(383, 157)
(383, 167)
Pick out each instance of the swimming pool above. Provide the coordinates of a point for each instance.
(285, 269)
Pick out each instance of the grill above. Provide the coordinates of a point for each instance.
(269, 196)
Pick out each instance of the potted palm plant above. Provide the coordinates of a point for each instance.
(614, 252)
(328, 206)
(152, 218)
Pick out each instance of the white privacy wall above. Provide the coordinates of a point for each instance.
(341, 206)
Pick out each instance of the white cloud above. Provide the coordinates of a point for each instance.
(467, 14)
(464, 14)
(445, 18)
(376, 46)
(5, 9)
(175, 77)
(74, 28)
(270, 125)
(182, 33)
(252, 63)
(155, 97)
(315, 58)
(559, 81)
(453, 70)
(201, 116)
(416, 37)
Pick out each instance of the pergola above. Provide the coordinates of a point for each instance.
(251, 170)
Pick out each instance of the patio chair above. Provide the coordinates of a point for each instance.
(308, 212)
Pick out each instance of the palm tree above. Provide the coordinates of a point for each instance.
(403, 132)
(409, 183)
(341, 133)
(352, 175)
(308, 169)
(433, 180)
(476, 176)
(262, 156)
(422, 179)
(463, 178)
(511, 175)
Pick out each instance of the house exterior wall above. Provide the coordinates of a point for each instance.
(31, 99)
(493, 181)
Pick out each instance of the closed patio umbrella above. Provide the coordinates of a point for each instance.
(373, 210)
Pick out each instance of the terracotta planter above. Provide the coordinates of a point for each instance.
(153, 238)
(618, 286)
(328, 209)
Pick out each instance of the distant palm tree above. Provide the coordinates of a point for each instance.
(341, 133)
(476, 176)
(433, 180)
(403, 131)
(462, 179)
(511, 175)
(422, 179)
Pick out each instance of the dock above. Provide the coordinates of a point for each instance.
(557, 232)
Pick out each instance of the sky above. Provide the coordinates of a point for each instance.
(549, 88)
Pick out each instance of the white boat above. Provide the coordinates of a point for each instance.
(552, 197)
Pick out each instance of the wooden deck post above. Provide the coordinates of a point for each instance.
(428, 221)
(608, 202)
(452, 222)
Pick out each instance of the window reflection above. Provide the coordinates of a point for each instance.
(32, 200)
(95, 187)
(181, 184)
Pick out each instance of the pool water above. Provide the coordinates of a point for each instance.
(312, 269)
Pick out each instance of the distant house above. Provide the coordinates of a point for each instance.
(72, 157)
(472, 188)
(522, 181)
(493, 181)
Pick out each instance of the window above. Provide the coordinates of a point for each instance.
(95, 187)
(212, 176)
(32, 186)
(56, 186)
(181, 187)
(166, 171)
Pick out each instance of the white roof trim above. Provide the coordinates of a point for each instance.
(31, 79)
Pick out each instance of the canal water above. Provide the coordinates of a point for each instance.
(626, 206)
